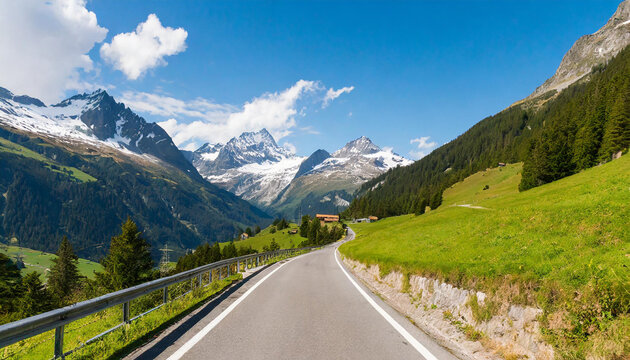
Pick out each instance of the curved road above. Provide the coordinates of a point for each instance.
(307, 307)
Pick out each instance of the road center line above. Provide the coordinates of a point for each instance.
(412, 340)
(195, 339)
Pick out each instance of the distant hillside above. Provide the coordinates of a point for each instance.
(81, 167)
(580, 127)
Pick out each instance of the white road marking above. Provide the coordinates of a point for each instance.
(412, 340)
(195, 339)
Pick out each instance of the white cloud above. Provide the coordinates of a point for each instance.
(290, 147)
(136, 52)
(423, 147)
(44, 45)
(332, 94)
(215, 123)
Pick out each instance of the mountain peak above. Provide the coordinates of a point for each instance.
(590, 51)
(360, 146)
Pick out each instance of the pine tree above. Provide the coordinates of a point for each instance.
(229, 251)
(617, 131)
(313, 230)
(304, 226)
(257, 230)
(9, 284)
(128, 262)
(35, 299)
(64, 274)
(248, 231)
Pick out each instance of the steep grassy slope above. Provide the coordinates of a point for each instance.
(40, 261)
(563, 247)
(264, 238)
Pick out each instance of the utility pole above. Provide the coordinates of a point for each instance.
(165, 260)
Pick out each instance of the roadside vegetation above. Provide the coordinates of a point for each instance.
(563, 247)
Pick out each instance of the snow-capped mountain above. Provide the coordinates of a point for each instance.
(330, 180)
(252, 166)
(80, 167)
(95, 119)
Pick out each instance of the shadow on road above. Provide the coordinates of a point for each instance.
(154, 350)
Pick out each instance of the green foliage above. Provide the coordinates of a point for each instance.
(273, 230)
(204, 254)
(257, 230)
(9, 285)
(129, 260)
(229, 251)
(322, 235)
(249, 231)
(64, 273)
(304, 226)
(273, 246)
(35, 299)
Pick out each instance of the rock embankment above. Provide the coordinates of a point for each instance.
(451, 316)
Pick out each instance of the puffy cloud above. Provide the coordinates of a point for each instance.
(423, 147)
(135, 52)
(332, 94)
(215, 123)
(45, 44)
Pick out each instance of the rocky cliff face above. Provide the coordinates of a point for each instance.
(590, 51)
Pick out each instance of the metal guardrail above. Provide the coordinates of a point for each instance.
(57, 319)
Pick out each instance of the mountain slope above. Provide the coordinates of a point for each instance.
(255, 167)
(252, 166)
(583, 125)
(325, 183)
(80, 167)
(590, 51)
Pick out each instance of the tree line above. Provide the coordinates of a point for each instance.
(127, 263)
(316, 234)
(555, 135)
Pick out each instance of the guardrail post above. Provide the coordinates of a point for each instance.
(59, 342)
(126, 312)
(238, 266)
(209, 276)
(165, 295)
(228, 270)
(199, 280)
(257, 261)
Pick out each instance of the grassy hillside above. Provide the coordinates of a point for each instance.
(72, 172)
(264, 238)
(39, 261)
(564, 247)
(555, 135)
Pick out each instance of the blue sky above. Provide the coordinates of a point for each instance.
(417, 69)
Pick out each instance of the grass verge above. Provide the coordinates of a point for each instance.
(563, 247)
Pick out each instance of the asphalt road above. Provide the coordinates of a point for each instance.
(303, 308)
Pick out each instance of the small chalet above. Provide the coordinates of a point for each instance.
(501, 164)
(293, 231)
(244, 236)
(325, 219)
(373, 218)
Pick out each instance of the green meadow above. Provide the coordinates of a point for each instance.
(39, 261)
(563, 246)
(265, 236)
